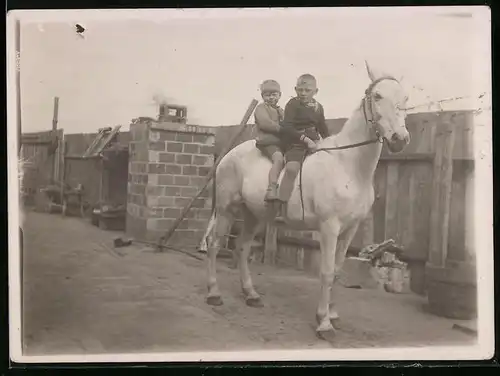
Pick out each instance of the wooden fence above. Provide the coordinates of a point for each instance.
(88, 172)
(404, 186)
(43, 163)
(42, 160)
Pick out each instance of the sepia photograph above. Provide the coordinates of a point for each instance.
(276, 184)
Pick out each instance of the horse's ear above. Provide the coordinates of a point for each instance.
(370, 72)
(373, 73)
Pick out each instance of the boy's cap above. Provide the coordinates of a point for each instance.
(270, 85)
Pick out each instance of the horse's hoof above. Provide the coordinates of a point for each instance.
(326, 335)
(319, 319)
(214, 301)
(254, 302)
(279, 221)
(335, 321)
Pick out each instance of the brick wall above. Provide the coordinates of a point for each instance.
(168, 164)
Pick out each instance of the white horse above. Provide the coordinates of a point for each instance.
(337, 191)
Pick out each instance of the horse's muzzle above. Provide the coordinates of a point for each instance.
(397, 143)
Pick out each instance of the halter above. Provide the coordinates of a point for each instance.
(366, 102)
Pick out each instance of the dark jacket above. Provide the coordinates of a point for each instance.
(307, 119)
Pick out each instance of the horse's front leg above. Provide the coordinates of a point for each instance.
(343, 242)
(329, 231)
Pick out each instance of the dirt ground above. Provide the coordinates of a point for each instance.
(84, 297)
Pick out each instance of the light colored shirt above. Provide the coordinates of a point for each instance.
(267, 122)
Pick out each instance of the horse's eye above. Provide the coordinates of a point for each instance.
(377, 96)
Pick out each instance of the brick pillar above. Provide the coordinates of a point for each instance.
(168, 165)
(137, 181)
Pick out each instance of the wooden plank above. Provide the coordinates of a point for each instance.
(418, 128)
(55, 156)
(391, 203)
(404, 212)
(101, 181)
(35, 143)
(380, 183)
(367, 230)
(106, 140)
(422, 157)
(445, 189)
(464, 136)
(94, 143)
(434, 228)
(271, 244)
(79, 157)
(456, 244)
(55, 116)
(417, 157)
(441, 196)
(469, 224)
(421, 186)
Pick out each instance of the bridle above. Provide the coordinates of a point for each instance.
(367, 102)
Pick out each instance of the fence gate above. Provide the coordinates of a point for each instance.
(41, 157)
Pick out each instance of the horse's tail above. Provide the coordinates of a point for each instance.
(209, 232)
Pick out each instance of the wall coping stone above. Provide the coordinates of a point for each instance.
(185, 128)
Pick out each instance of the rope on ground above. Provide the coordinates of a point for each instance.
(169, 247)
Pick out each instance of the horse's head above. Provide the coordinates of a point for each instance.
(384, 108)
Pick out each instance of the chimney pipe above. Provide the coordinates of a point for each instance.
(162, 112)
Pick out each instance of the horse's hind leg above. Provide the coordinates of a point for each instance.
(250, 229)
(223, 224)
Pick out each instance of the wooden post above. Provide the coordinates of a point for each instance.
(367, 228)
(445, 189)
(271, 244)
(62, 170)
(211, 173)
(55, 116)
(58, 155)
(391, 202)
(441, 195)
(101, 182)
(54, 134)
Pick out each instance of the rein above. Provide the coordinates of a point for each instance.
(367, 100)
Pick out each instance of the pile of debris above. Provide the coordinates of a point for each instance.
(109, 216)
(377, 265)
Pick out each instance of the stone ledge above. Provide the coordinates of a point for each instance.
(185, 128)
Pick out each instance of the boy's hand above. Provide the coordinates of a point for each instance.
(311, 145)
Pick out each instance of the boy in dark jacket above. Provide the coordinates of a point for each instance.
(268, 116)
(303, 124)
